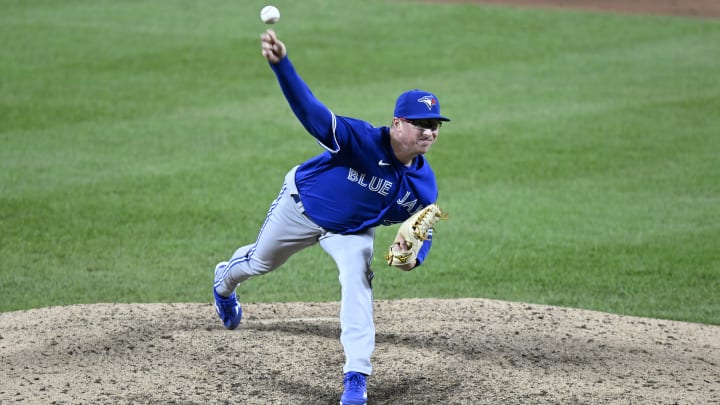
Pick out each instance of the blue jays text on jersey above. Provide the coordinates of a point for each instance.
(357, 183)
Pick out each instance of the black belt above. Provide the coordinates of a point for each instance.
(298, 203)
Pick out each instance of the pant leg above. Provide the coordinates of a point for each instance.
(353, 256)
(286, 231)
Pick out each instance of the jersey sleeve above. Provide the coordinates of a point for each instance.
(317, 119)
(424, 250)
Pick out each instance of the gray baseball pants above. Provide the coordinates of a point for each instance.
(286, 231)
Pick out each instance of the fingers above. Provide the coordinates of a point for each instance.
(269, 36)
(401, 243)
(272, 48)
(402, 246)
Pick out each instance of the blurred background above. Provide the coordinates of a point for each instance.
(142, 142)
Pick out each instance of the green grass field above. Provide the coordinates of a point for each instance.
(141, 142)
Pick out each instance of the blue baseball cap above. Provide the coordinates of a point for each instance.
(418, 105)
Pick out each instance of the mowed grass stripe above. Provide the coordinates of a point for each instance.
(142, 142)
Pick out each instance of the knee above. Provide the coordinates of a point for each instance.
(357, 272)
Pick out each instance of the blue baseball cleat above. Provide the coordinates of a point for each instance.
(228, 309)
(355, 389)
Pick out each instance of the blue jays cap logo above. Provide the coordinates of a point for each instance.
(429, 101)
(411, 105)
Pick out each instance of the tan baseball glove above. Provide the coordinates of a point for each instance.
(411, 235)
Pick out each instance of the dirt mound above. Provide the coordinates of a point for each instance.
(428, 352)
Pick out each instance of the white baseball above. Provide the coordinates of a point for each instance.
(270, 14)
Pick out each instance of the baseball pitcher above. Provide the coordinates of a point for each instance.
(364, 177)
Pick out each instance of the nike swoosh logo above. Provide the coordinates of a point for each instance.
(382, 163)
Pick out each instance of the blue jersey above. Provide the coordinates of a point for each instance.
(357, 182)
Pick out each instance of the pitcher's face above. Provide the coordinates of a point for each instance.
(418, 135)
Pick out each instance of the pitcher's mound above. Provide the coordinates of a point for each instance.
(469, 351)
